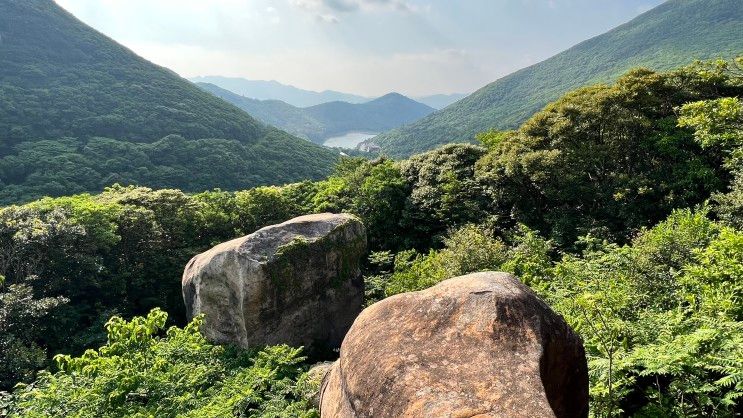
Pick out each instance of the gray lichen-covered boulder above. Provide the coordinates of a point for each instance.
(481, 345)
(296, 283)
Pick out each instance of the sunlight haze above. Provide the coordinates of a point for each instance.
(366, 47)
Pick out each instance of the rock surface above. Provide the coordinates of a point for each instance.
(481, 345)
(296, 283)
(315, 378)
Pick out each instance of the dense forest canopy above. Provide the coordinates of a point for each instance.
(620, 205)
(79, 112)
(663, 38)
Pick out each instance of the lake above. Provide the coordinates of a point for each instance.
(349, 140)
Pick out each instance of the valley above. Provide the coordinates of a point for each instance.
(324, 121)
(566, 241)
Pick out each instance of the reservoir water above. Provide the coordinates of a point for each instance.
(349, 140)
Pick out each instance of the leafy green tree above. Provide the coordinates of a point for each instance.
(263, 206)
(444, 193)
(375, 191)
(719, 124)
(24, 322)
(608, 160)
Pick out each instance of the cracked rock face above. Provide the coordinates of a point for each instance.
(481, 345)
(296, 283)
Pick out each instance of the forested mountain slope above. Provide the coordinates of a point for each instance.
(665, 37)
(440, 101)
(319, 122)
(79, 111)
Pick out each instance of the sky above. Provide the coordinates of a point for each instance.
(366, 47)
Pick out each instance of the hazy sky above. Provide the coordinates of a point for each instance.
(367, 47)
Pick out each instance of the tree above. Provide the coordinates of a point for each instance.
(373, 190)
(719, 124)
(608, 160)
(444, 193)
(24, 322)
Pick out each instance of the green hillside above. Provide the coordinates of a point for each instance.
(325, 120)
(79, 112)
(666, 37)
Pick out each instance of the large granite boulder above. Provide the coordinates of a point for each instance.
(481, 345)
(296, 283)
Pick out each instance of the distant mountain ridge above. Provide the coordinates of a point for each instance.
(671, 35)
(273, 90)
(79, 112)
(322, 121)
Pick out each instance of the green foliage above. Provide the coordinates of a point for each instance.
(375, 191)
(730, 205)
(664, 38)
(716, 122)
(467, 250)
(529, 257)
(79, 112)
(444, 193)
(661, 318)
(658, 307)
(24, 322)
(719, 123)
(493, 138)
(411, 203)
(122, 251)
(140, 372)
(607, 160)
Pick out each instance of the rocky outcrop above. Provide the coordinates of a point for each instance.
(481, 345)
(296, 283)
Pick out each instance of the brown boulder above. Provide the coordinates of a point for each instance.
(481, 345)
(296, 283)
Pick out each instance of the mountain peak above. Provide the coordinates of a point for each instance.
(320, 122)
(393, 95)
(400, 99)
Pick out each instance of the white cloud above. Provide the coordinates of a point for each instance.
(326, 18)
(413, 74)
(369, 47)
(327, 10)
